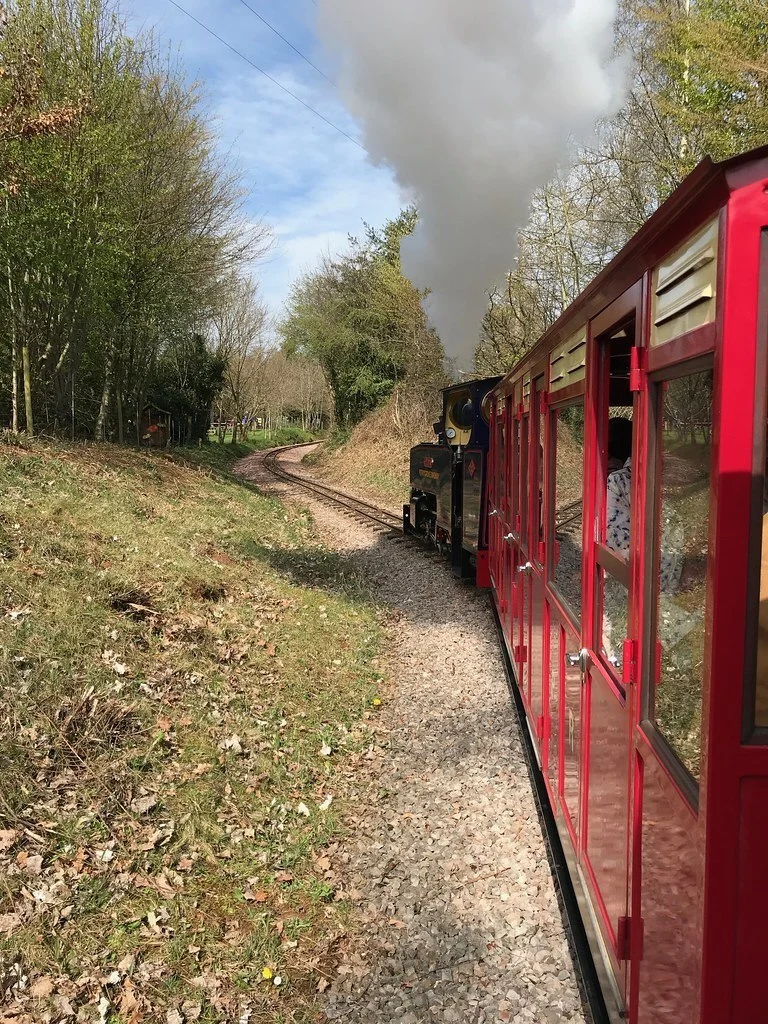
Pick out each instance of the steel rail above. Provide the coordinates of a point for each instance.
(357, 506)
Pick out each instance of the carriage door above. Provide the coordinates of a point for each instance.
(522, 581)
(608, 625)
(533, 569)
(510, 534)
(565, 489)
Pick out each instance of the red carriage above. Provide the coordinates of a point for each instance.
(630, 586)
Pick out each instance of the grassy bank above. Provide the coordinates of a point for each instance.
(187, 682)
(373, 460)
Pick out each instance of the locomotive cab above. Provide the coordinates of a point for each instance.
(436, 510)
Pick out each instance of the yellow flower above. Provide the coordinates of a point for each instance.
(376, 702)
(267, 973)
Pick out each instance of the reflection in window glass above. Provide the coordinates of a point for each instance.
(681, 548)
(512, 427)
(614, 617)
(554, 704)
(501, 455)
(568, 428)
(541, 427)
(523, 474)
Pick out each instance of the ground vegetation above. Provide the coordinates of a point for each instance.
(188, 683)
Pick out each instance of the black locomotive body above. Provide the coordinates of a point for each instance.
(447, 481)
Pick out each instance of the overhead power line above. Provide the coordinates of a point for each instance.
(286, 41)
(266, 74)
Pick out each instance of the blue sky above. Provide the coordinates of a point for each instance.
(307, 181)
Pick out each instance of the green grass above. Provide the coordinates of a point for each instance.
(260, 440)
(178, 654)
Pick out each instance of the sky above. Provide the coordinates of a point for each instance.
(310, 184)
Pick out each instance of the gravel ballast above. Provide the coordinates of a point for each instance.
(457, 907)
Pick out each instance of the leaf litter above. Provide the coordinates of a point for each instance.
(168, 828)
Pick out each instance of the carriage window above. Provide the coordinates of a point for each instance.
(614, 617)
(615, 488)
(618, 488)
(541, 422)
(684, 425)
(761, 675)
(523, 475)
(501, 461)
(513, 463)
(568, 439)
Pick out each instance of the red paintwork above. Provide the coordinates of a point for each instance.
(672, 871)
(483, 577)
(554, 734)
(607, 798)
(689, 874)
(572, 733)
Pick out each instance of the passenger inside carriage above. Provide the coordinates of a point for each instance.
(618, 508)
(619, 487)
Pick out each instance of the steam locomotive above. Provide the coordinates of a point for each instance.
(447, 506)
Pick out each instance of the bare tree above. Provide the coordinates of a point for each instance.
(240, 328)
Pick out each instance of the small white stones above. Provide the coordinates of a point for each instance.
(454, 853)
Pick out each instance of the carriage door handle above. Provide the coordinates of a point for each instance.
(493, 512)
(577, 658)
(525, 568)
(508, 537)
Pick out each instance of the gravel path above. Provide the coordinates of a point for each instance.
(458, 912)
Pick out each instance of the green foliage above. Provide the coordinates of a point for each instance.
(363, 322)
(117, 222)
(715, 57)
(185, 382)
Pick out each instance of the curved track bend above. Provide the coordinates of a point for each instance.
(352, 505)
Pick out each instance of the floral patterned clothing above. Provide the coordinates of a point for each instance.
(617, 509)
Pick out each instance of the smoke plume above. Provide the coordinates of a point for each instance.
(474, 104)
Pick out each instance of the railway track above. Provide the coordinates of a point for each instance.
(385, 520)
(351, 504)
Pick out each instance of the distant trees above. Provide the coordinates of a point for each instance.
(120, 228)
(363, 323)
(239, 327)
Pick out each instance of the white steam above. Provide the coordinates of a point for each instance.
(474, 104)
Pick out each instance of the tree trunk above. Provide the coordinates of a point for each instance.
(14, 360)
(120, 426)
(106, 394)
(30, 423)
(14, 382)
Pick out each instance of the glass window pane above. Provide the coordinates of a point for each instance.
(681, 551)
(614, 616)
(523, 474)
(618, 490)
(541, 428)
(568, 430)
(554, 705)
(514, 431)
